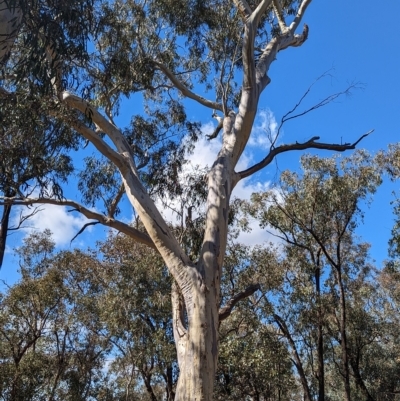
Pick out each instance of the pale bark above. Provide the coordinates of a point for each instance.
(198, 363)
(279, 16)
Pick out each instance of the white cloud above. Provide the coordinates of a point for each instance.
(257, 235)
(205, 151)
(265, 130)
(204, 155)
(63, 224)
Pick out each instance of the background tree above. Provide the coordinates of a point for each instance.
(97, 324)
(48, 346)
(254, 362)
(316, 216)
(110, 309)
(33, 157)
(34, 146)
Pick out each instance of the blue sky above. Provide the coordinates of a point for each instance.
(358, 42)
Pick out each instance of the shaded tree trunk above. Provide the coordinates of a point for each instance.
(320, 339)
(343, 336)
(358, 379)
(5, 219)
(149, 388)
(169, 384)
(296, 358)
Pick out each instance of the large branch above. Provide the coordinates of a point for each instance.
(177, 261)
(310, 144)
(105, 220)
(185, 90)
(98, 142)
(288, 38)
(278, 43)
(258, 12)
(101, 122)
(250, 32)
(244, 9)
(250, 89)
(299, 15)
(279, 16)
(227, 309)
(249, 71)
(156, 226)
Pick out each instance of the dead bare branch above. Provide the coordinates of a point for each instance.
(310, 144)
(227, 309)
(324, 102)
(92, 223)
(23, 218)
(114, 203)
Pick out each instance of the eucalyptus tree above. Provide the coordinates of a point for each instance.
(215, 54)
(316, 215)
(48, 349)
(387, 350)
(254, 362)
(135, 307)
(33, 156)
(33, 145)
